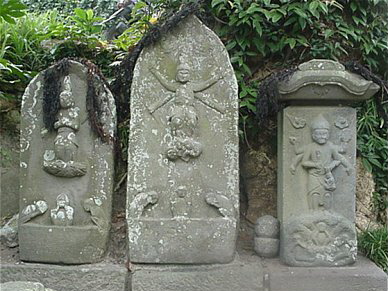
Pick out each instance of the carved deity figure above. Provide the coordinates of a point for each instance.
(63, 214)
(319, 159)
(98, 215)
(66, 144)
(64, 161)
(183, 119)
(181, 202)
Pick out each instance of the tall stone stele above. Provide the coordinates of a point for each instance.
(66, 168)
(183, 175)
(316, 153)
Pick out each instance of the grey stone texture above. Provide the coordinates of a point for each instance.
(362, 276)
(266, 240)
(23, 286)
(66, 174)
(316, 164)
(9, 232)
(242, 275)
(96, 277)
(326, 80)
(183, 175)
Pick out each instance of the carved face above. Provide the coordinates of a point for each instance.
(66, 99)
(183, 75)
(320, 135)
(62, 200)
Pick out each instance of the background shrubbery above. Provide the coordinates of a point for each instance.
(262, 37)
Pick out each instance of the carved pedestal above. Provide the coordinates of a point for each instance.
(316, 153)
(183, 151)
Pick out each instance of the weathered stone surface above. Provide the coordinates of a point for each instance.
(318, 81)
(362, 276)
(239, 275)
(266, 241)
(266, 247)
(317, 185)
(267, 226)
(97, 277)
(66, 173)
(23, 286)
(258, 171)
(9, 232)
(183, 151)
(316, 158)
(365, 187)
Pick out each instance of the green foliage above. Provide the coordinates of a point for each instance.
(372, 142)
(102, 8)
(266, 36)
(11, 9)
(374, 244)
(139, 23)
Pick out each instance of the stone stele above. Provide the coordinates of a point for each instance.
(183, 177)
(316, 153)
(66, 173)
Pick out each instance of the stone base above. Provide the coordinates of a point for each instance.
(97, 277)
(182, 241)
(362, 276)
(61, 245)
(241, 274)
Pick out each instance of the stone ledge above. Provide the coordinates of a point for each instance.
(362, 276)
(96, 277)
(241, 275)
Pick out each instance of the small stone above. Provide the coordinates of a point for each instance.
(266, 247)
(267, 226)
(9, 233)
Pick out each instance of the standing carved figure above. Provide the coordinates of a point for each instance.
(63, 162)
(183, 118)
(319, 159)
(66, 144)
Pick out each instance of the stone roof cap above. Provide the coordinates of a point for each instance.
(321, 79)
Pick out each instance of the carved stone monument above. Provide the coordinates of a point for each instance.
(183, 203)
(66, 168)
(317, 151)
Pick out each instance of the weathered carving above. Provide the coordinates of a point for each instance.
(183, 143)
(33, 210)
(62, 161)
(183, 118)
(296, 122)
(63, 214)
(181, 202)
(341, 122)
(98, 215)
(141, 201)
(320, 238)
(319, 159)
(221, 202)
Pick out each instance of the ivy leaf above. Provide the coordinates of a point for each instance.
(291, 42)
(217, 2)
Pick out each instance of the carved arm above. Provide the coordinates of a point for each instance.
(165, 83)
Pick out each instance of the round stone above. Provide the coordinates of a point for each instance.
(267, 226)
(266, 247)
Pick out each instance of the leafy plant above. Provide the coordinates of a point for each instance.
(11, 9)
(374, 244)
